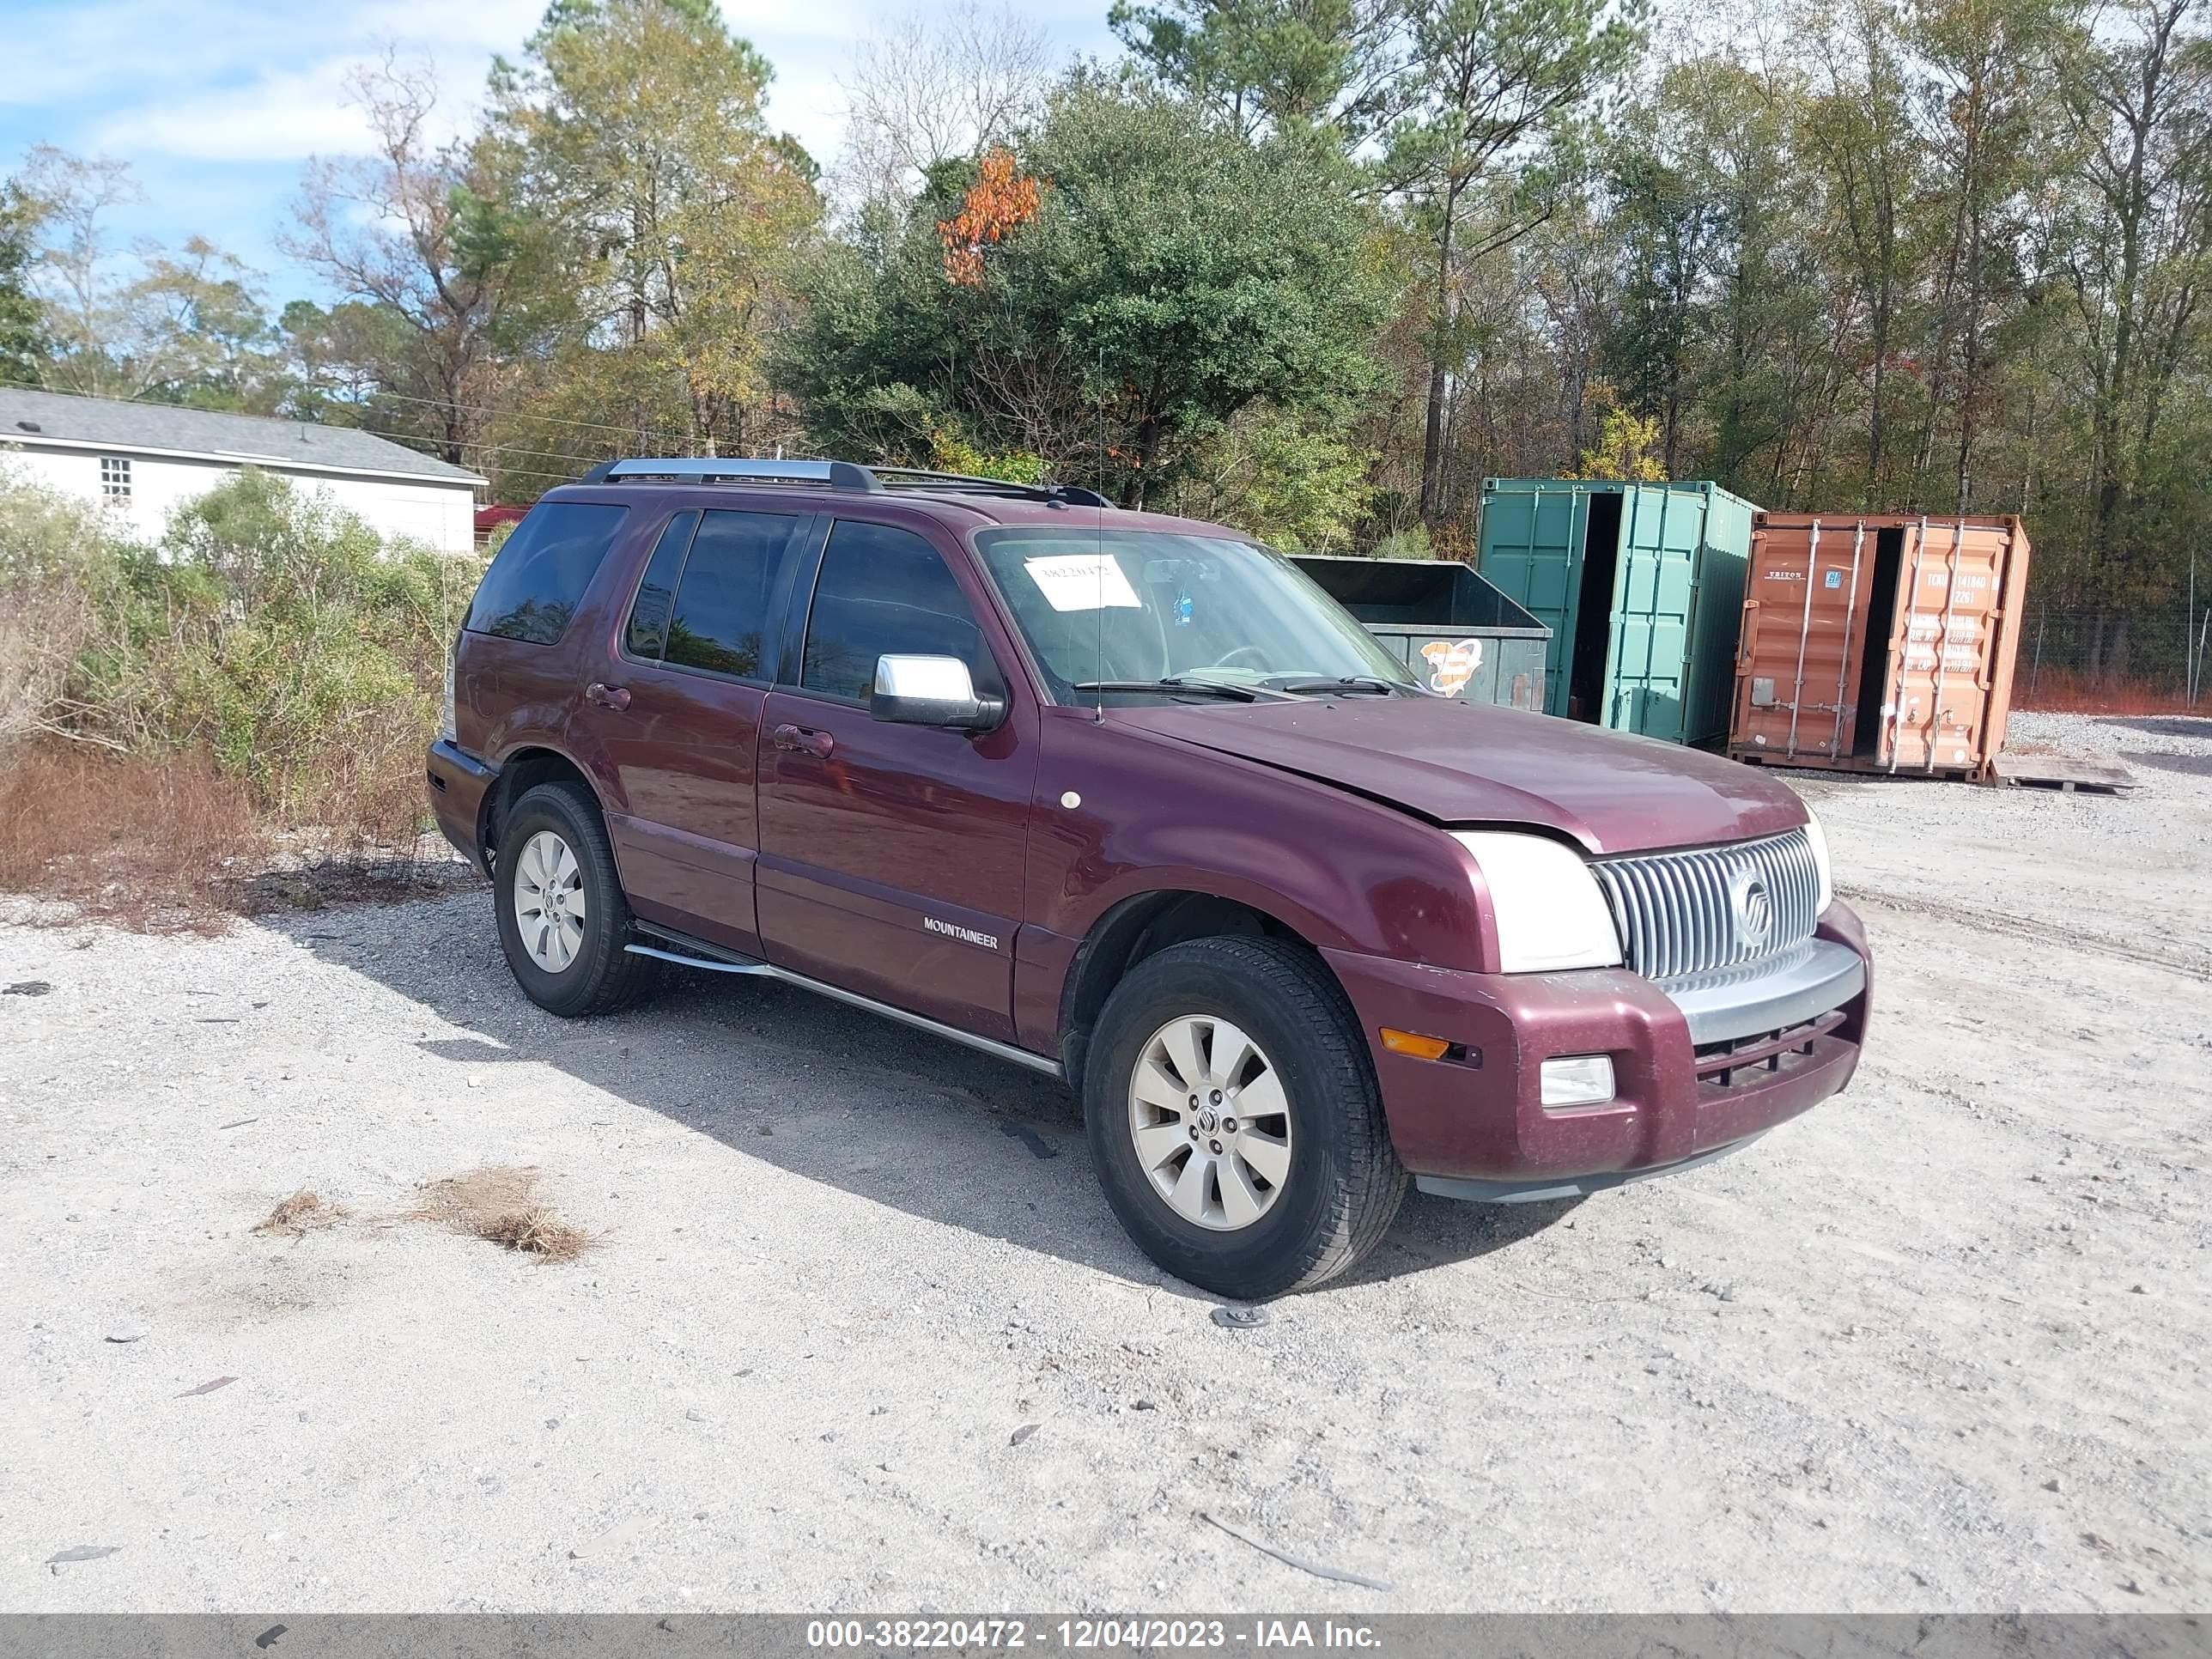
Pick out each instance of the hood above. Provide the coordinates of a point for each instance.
(1470, 764)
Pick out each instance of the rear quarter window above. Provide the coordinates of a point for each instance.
(539, 578)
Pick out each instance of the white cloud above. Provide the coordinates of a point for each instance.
(282, 117)
(64, 51)
(217, 103)
(239, 80)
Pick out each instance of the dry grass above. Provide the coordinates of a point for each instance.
(42, 630)
(303, 1213)
(167, 844)
(498, 1203)
(2059, 692)
(160, 843)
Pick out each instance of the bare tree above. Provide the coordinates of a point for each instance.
(392, 230)
(2137, 91)
(935, 86)
(125, 323)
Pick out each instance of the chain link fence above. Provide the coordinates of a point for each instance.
(2132, 662)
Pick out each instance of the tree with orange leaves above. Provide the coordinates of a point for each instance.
(1001, 199)
(1164, 276)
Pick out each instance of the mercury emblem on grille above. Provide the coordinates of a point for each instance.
(1754, 907)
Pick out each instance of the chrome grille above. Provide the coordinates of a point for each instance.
(1694, 912)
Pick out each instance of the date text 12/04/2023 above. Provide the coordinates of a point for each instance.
(1009, 1635)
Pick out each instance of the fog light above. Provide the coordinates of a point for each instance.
(1578, 1080)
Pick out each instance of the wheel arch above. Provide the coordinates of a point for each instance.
(1140, 925)
(519, 773)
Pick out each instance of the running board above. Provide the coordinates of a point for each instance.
(695, 954)
(711, 966)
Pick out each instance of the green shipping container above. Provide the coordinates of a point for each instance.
(1642, 587)
(1440, 618)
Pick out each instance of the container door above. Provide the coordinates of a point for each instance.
(1805, 632)
(1531, 548)
(1937, 715)
(1655, 596)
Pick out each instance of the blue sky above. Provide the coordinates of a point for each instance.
(217, 104)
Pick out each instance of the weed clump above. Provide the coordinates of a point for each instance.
(303, 1213)
(498, 1203)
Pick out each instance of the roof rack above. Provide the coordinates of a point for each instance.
(836, 475)
(905, 477)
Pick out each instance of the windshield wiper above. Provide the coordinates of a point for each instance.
(1241, 692)
(1314, 685)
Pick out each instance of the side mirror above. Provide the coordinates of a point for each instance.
(932, 692)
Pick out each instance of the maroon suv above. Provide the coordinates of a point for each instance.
(1126, 800)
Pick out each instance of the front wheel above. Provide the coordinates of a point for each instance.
(563, 919)
(1234, 1118)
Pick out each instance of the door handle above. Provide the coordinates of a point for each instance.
(607, 696)
(805, 740)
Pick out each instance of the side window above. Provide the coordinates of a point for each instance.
(656, 595)
(884, 591)
(539, 578)
(720, 617)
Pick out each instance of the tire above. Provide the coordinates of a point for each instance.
(597, 975)
(1341, 1180)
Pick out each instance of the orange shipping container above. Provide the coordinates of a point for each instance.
(1879, 643)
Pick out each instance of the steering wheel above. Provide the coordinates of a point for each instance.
(1229, 661)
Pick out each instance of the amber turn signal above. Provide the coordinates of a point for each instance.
(1412, 1042)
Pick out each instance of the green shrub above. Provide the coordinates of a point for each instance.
(270, 628)
(1409, 544)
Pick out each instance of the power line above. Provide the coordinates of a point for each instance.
(406, 437)
(419, 441)
(551, 420)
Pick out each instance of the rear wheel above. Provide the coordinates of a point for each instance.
(563, 919)
(1234, 1118)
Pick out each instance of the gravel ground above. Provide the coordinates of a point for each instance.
(860, 1331)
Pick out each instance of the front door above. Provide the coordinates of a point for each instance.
(891, 856)
(684, 740)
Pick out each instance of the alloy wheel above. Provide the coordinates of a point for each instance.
(1210, 1122)
(550, 907)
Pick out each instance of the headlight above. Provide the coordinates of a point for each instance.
(1550, 913)
(1818, 841)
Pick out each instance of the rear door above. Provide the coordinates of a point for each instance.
(679, 717)
(891, 856)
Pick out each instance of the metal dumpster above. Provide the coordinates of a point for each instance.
(1879, 642)
(1443, 621)
(1642, 587)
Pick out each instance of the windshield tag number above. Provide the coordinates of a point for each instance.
(1082, 581)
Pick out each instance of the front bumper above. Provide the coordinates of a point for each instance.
(1694, 1077)
(458, 782)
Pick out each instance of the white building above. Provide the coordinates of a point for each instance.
(145, 460)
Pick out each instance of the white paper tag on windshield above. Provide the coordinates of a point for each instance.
(1082, 581)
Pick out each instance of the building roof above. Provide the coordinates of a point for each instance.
(29, 416)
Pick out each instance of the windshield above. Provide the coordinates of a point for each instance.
(1160, 606)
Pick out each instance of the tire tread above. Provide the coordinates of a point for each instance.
(1368, 1182)
(617, 978)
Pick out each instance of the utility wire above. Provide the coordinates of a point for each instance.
(416, 437)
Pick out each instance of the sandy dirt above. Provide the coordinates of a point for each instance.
(857, 1330)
